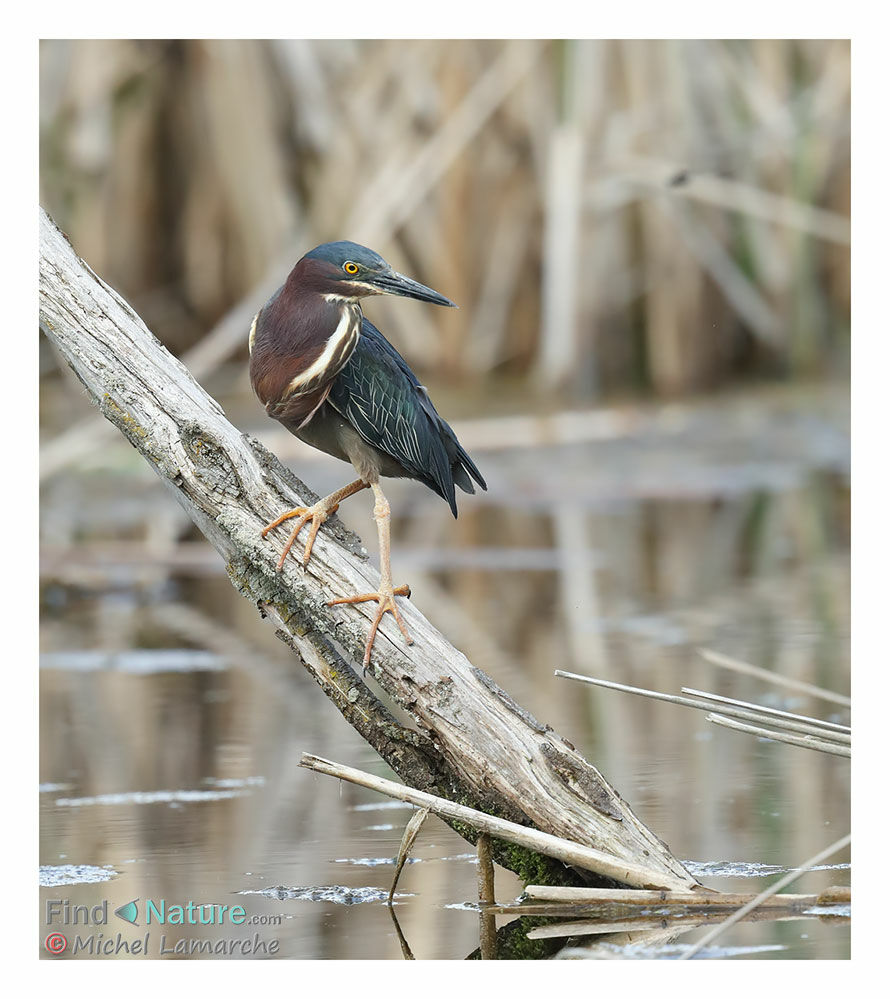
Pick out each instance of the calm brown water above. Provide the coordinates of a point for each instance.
(618, 549)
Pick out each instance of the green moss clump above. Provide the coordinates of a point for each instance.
(513, 943)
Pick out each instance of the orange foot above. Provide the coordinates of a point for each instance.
(385, 602)
(318, 514)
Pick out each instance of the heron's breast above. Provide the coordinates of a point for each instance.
(295, 359)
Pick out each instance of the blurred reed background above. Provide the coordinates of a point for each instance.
(610, 215)
(649, 244)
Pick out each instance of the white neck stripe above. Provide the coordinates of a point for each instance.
(347, 328)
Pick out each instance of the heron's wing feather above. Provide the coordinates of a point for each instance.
(461, 462)
(381, 397)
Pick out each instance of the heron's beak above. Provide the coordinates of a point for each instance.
(393, 283)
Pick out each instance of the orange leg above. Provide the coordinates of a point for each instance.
(386, 596)
(318, 514)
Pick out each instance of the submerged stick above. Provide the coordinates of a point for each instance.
(685, 919)
(488, 934)
(552, 846)
(767, 893)
(616, 896)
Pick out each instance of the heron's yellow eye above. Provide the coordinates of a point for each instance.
(350, 267)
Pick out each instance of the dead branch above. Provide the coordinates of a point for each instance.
(473, 741)
(565, 850)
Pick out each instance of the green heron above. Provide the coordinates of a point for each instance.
(332, 378)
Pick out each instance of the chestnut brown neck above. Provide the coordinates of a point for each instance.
(301, 339)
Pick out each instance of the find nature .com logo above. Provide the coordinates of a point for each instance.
(154, 913)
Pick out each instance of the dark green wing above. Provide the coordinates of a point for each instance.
(382, 398)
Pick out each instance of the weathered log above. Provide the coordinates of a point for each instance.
(474, 744)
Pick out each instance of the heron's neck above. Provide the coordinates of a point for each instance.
(330, 346)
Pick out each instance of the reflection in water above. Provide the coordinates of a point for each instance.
(722, 526)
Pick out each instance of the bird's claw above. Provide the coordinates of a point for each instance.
(318, 514)
(385, 602)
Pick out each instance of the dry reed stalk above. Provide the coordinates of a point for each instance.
(673, 294)
(389, 201)
(241, 141)
(825, 732)
(408, 837)
(551, 846)
(486, 339)
(727, 662)
(838, 731)
(804, 741)
(739, 291)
